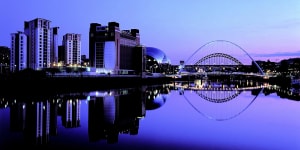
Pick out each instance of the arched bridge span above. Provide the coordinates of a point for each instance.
(218, 59)
(220, 55)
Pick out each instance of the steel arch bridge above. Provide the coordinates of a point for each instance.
(218, 59)
(218, 96)
(220, 56)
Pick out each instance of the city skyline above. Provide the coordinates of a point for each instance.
(266, 30)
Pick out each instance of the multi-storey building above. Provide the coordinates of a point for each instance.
(38, 32)
(111, 49)
(54, 46)
(4, 59)
(18, 54)
(72, 49)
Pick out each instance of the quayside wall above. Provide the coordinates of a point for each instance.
(52, 85)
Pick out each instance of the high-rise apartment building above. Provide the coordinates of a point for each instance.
(111, 49)
(18, 54)
(38, 32)
(72, 49)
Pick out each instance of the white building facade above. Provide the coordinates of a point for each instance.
(72, 47)
(38, 32)
(18, 54)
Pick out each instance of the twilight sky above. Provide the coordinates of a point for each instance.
(266, 29)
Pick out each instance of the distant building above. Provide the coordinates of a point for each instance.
(4, 59)
(18, 54)
(72, 49)
(61, 54)
(84, 61)
(54, 46)
(157, 61)
(111, 49)
(39, 41)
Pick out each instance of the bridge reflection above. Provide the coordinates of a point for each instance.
(224, 100)
(113, 112)
(219, 85)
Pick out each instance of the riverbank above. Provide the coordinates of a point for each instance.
(50, 85)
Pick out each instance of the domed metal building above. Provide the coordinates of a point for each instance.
(156, 61)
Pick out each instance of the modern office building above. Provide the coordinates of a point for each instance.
(72, 49)
(38, 32)
(18, 54)
(4, 59)
(111, 49)
(54, 46)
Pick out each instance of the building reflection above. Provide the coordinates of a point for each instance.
(33, 118)
(114, 112)
(110, 112)
(53, 117)
(220, 96)
(70, 115)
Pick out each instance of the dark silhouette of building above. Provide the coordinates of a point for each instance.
(4, 59)
(17, 116)
(85, 61)
(61, 54)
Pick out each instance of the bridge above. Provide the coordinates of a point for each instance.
(215, 99)
(221, 57)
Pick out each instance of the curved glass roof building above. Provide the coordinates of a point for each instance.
(158, 55)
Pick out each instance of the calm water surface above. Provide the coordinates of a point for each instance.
(175, 116)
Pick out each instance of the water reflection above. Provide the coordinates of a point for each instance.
(113, 112)
(110, 112)
(223, 96)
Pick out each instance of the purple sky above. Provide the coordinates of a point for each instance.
(268, 29)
